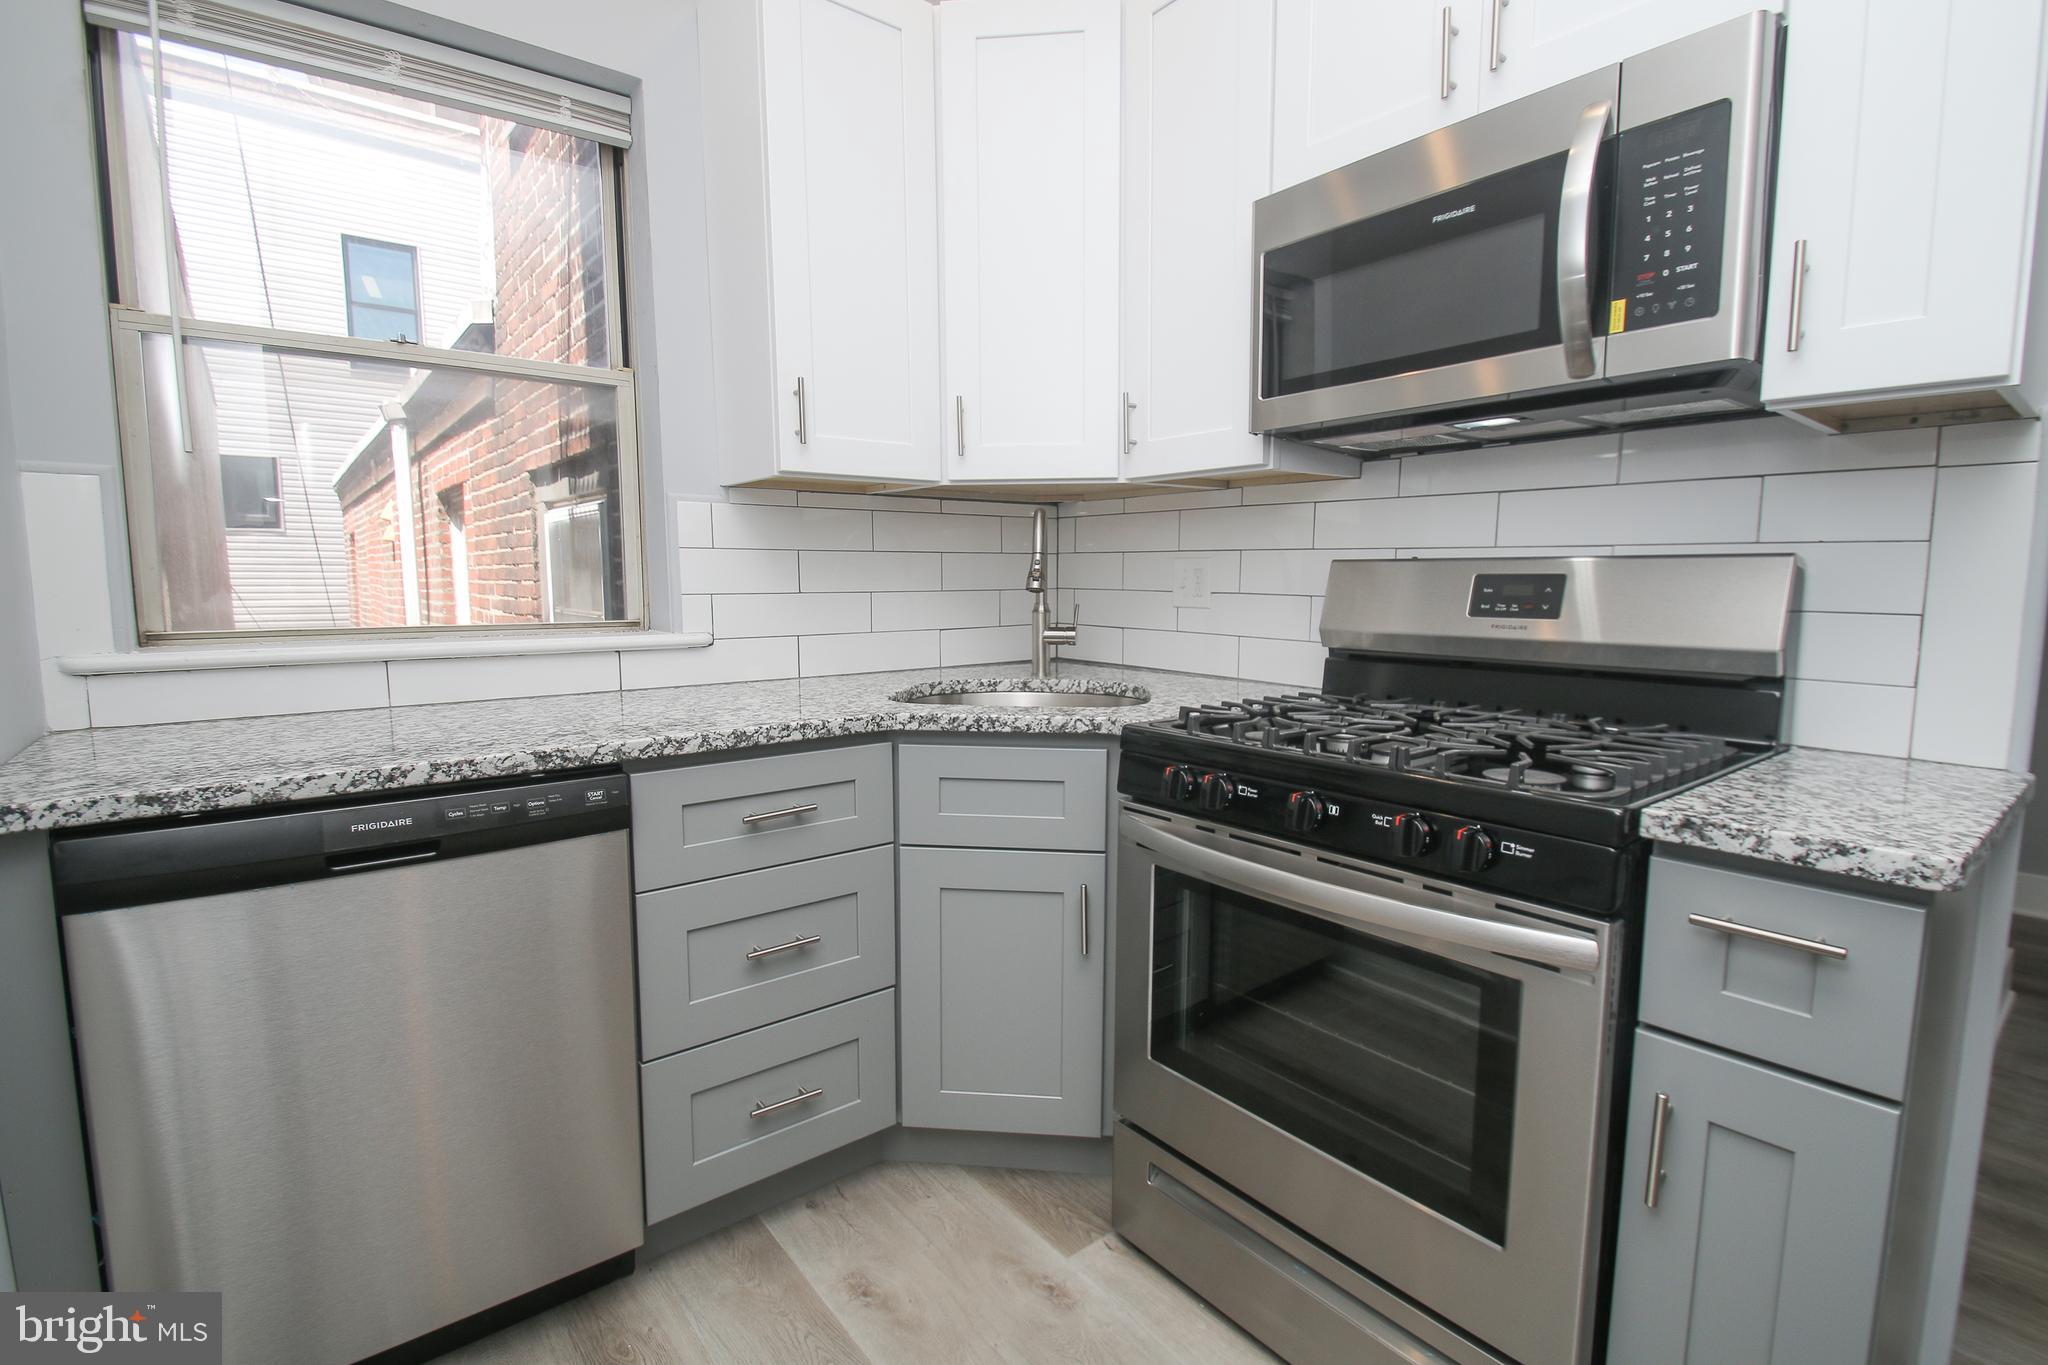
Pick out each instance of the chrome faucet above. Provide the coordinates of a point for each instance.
(1044, 632)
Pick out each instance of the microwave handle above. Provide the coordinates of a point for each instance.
(1575, 240)
(1365, 909)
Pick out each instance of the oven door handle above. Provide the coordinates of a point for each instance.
(1575, 240)
(1343, 905)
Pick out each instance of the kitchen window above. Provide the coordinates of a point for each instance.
(447, 441)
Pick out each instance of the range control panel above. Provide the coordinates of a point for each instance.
(1671, 187)
(458, 813)
(1517, 596)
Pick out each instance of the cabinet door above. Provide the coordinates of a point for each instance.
(853, 235)
(1913, 214)
(1001, 989)
(1767, 1238)
(1198, 78)
(1531, 45)
(1351, 79)
(1028, 209)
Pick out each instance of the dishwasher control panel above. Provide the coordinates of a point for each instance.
(457, 813)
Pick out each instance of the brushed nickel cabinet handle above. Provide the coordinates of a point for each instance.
(1130, 444)
(1795, 327)
(803, 417)
(960, 425)
(757, 952)
(1493, 53)
(1445, 85)
(758, 816)
(1660, 1114)
(761, 1110)
(1084, 919)
(1805, 945)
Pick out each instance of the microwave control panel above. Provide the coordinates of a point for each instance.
(1671, 181)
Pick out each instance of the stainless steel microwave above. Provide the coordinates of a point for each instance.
(1587, 258)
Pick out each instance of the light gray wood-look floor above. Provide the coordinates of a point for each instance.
(896, 1265)
(2004, 1319)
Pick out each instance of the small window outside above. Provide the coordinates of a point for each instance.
(383, 290)
(248, 493)
(575, 550)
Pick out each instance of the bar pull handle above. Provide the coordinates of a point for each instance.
(1575, 240)
(758, 816)
(762, 1111)
(363, 862)
(803, 416)
(1493, 52)
(960, 425)
(1445, 85)
(1084, 919)
(1795, 326)
(1660, 1115)
(757, 952)
(1817, 947)
(1130, 444)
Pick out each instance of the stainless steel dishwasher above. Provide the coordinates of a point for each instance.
(369, 1070)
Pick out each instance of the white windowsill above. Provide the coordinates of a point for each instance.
(187, 658)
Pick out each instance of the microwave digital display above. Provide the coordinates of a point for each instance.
(1520, 596)
(1671, 188)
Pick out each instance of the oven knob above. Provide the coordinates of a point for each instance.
(1413, 833)
(1471, 849)
(1216, 791)
(1179, 783)
(1304, 811)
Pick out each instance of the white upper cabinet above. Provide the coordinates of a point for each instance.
(1197, 94)
(821, 180)
(1530, 45)
(1908, 174)
(1028, 214)
(1354, 78)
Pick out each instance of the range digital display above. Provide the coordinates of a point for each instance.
(1523, 596)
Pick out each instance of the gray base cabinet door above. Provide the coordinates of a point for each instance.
(1766, 1240)
(1000, 980)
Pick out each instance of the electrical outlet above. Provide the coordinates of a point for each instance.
(1191, 581)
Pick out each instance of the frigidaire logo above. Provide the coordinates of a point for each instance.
(368, 825)
(1455, 213)
(180, 1328)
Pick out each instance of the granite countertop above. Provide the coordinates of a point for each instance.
(1903, 822)
(88, 777)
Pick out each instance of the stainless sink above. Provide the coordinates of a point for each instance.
(1027, 697)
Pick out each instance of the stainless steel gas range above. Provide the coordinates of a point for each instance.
(1376, 946)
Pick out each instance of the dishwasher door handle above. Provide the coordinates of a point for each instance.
(367, 862)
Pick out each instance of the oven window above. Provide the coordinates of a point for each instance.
(1396, 1062)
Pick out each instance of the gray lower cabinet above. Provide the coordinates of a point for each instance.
(1767, 1235)
(710, 820)
(727, 1114)
(1001, 981)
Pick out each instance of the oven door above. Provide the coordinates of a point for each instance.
(1453, 269)
(1416, 1077)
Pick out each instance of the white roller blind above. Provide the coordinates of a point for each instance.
(287, 35)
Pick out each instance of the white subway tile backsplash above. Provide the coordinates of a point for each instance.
(1847, 575)
(724, 662)
(1858, 716)
(1098, 644)
(693, 524)
(883, 571)
(1991, 443)
(938, 610)
(913, 531)
(739, 615)
(1154, 570)
(712, 571)
(693, 613)
(1091, 571)
(1121, 607)
(1269, 617)
(823, 654)
(1453, 519)
(745, 526)
(1884, 504)
(1504, 552)
(1272, 526)
(226, 693)
(1295, 663)
(1181, 652)
(1295, 571)
(1016, 536)
(984, 645)
(1854, 647)
(1127, 531)
(984, 571)
(1771, 445)
(415, 682)
(1016, 606)
(1643, 513)
(1547, 464)
(1175, 502)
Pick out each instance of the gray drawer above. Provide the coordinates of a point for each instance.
(705, 1132)
(1847, 1019)
(692, 824)
(697, 982)
(1001, 796)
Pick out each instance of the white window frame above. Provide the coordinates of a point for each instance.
(130, 325)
